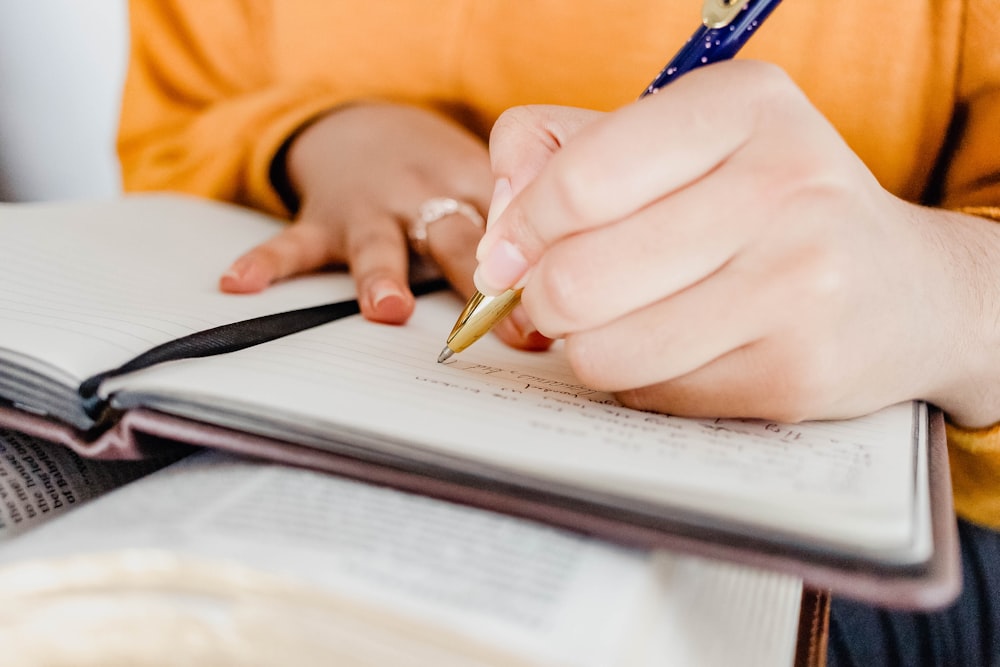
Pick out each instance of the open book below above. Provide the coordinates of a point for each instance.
(861, 506)
(220, 561)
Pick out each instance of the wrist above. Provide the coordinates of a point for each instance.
(963, 259)
(287, 173)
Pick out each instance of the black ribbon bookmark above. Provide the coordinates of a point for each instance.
(230, 338)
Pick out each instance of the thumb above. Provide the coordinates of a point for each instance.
(523, 140)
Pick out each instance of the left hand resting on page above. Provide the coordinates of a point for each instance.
(729, 255)
(360, 172)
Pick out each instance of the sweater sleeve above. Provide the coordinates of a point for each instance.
(972, 178)
(202, 111)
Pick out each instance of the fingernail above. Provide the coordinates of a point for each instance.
(382, 290)
(244, 276)
(502, 194)
(229, 278)
(501, 268)
(237, 269)
(388, 300)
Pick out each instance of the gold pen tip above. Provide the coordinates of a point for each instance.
(445, 354)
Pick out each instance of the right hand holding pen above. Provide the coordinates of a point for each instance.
(717, 249)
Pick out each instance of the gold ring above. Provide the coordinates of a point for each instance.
(434, 209)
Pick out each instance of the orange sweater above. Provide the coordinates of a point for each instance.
(214, 87)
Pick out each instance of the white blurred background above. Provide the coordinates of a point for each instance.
(62, 63)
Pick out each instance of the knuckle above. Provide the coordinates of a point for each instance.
(522, 230)
(508, 121)
(767, 83)
(365, 237)
(562, 290)
(289, 252)
(374, 241)
(269, 252)
(820, 276)
(816, 177)
(452, 247)
(772, 79)
(570, 185)
(804, 182)
(589, 361)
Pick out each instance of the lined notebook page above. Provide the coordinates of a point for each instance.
(87, 286)
(844, 481)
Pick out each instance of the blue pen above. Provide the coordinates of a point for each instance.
(726, 27)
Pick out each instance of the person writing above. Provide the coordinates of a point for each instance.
(806, 232)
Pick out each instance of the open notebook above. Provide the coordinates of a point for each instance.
(862, 506)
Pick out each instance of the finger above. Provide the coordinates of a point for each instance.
(522, 141)
(746, 383)
(626, 160)
(587, 280)
(518, 331)
(734, 385)
(302, 246)
(377, 253)
(450, 241)
(678, 335)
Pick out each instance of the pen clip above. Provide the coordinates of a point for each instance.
(720, 13)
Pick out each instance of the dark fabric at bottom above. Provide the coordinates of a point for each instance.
(967, 634)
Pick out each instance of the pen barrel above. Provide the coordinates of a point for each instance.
(479, 316)
(710, 45)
